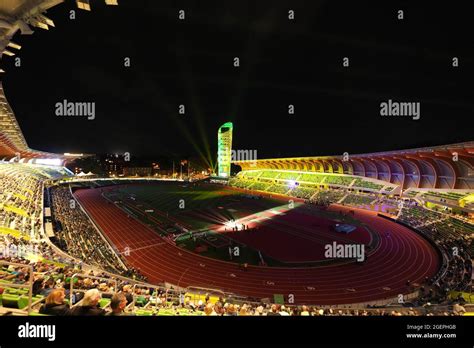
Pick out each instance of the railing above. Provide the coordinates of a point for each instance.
(154, 292)
(202, 291)
(28, 286)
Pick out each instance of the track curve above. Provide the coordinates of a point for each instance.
(404, 256)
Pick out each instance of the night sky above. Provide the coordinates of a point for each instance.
(282, 62)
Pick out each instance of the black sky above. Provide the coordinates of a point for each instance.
(282, 62)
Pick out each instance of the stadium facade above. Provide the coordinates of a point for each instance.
(440, 167)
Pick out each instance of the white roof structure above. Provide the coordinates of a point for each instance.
(22, 16)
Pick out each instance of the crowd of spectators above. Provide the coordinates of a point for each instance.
(76, 234)
(97, 293)
(20, 199)
(325, 198)
(359, 200)
(453, 239)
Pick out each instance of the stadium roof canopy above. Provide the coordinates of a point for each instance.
(21, 16)
(18, 15)
(446, 167)
(449, 166)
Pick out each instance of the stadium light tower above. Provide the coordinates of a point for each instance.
(224, 149)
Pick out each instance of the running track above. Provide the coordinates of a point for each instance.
(404, 256)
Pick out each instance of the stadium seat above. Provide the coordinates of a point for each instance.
(143, 312)
(104, 302)
(36, 314)
(14, 301)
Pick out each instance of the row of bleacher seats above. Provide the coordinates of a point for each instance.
(327, 197)
(323, 194)
(446, 195)
(311, 192)
(358, 200)
(267, 174)
(259, 186)
(307, 184)
(338, 180)
(367, 184)
(279, 189)
(315, 178)
(303, 192)
(311, 178)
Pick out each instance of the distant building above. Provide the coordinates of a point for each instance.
(137, 171)
(113, 164)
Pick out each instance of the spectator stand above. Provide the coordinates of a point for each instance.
(17, 298)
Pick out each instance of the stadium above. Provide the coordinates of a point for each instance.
(382, 233)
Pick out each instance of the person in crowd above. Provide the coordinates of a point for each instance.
(458, 309)
(284, 311)
(55, 304)
(304, 311)
(244, 311)
(47, 287)
(37, 286)
(259, 311)
(128, 291)
(230, 310)
(209, 310)
(89, 305)
(118, 304)
(273, 311)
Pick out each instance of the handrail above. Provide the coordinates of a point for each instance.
(30, 281)
(157, 289)
(195, 290)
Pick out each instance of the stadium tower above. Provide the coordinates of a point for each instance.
(224, 149)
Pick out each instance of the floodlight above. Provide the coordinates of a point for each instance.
(14, 45)
(83, 5)
(39, 24)
(44, 19)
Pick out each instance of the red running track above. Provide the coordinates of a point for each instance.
(404, 256)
